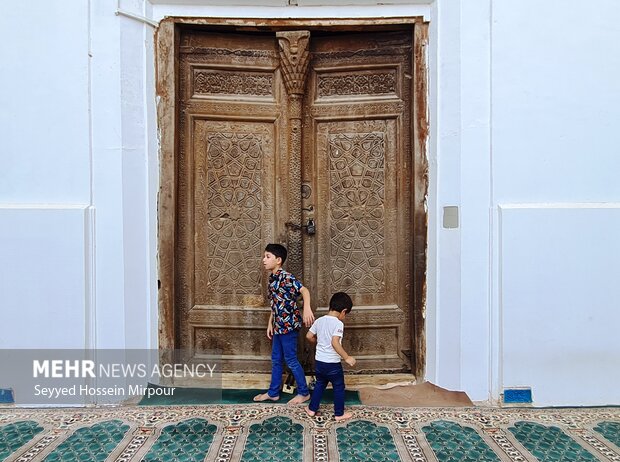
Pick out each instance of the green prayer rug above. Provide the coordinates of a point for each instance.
(193, 396)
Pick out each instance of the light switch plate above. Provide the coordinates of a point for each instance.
(450, 217)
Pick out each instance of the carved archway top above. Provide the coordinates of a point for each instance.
(294, 58)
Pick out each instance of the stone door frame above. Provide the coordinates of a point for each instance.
(166, 56)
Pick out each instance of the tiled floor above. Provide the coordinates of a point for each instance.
(282, 433)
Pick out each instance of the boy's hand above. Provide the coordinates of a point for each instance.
(269, 331)
(308, 317)
(350, 361)
(311, 337)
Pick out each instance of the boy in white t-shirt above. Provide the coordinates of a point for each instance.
(327, 333)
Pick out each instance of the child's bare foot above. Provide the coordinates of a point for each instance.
(345, 416)
(299, 399)
(265, 397)
(309, 412)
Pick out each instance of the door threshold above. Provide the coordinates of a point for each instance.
(353, 381)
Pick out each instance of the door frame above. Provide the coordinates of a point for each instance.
(166, 81)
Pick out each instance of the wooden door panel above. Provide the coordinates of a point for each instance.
(233, 210)
(356, 216)
(357, 233)
(359, 178)
(233, 218)
(230, 122)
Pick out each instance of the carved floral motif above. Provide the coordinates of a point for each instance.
(380, 83)
(233, 83)
(206, 51)
(294, 59)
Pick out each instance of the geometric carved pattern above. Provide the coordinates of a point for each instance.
(549, 443)
(357, 214)
(234, 205)
(233, 83)
(452, 442)
(362, 84)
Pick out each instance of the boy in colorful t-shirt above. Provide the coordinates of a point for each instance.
(284, 324)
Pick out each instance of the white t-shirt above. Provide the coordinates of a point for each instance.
(325, 328)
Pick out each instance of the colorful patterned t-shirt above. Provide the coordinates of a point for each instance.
(284, 289)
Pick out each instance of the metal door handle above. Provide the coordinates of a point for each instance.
(310, 226)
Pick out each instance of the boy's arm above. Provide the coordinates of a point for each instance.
(350, 360)
(307, 315)
(270, 326)
(311, 337)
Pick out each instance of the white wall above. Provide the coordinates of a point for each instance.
(44, 97)
(124, 183)
(138, 134)
(458, 313)
(43, 276)
(331, 9)
(525, 102)
(45, 219)
(556, 103)
(77, 188)
(559, 301)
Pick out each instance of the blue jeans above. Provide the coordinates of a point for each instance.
(284, 347)
(328, 372)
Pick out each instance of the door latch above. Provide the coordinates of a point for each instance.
(310, 226)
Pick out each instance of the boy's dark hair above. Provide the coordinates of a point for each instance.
(278, 250)
(340, 302)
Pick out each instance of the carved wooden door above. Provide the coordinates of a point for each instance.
(254, 124)
(231, 161)
(357, 178)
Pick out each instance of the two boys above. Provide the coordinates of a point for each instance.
(283, 328)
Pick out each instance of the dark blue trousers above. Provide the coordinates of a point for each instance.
(325, 373)
(284, 348)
